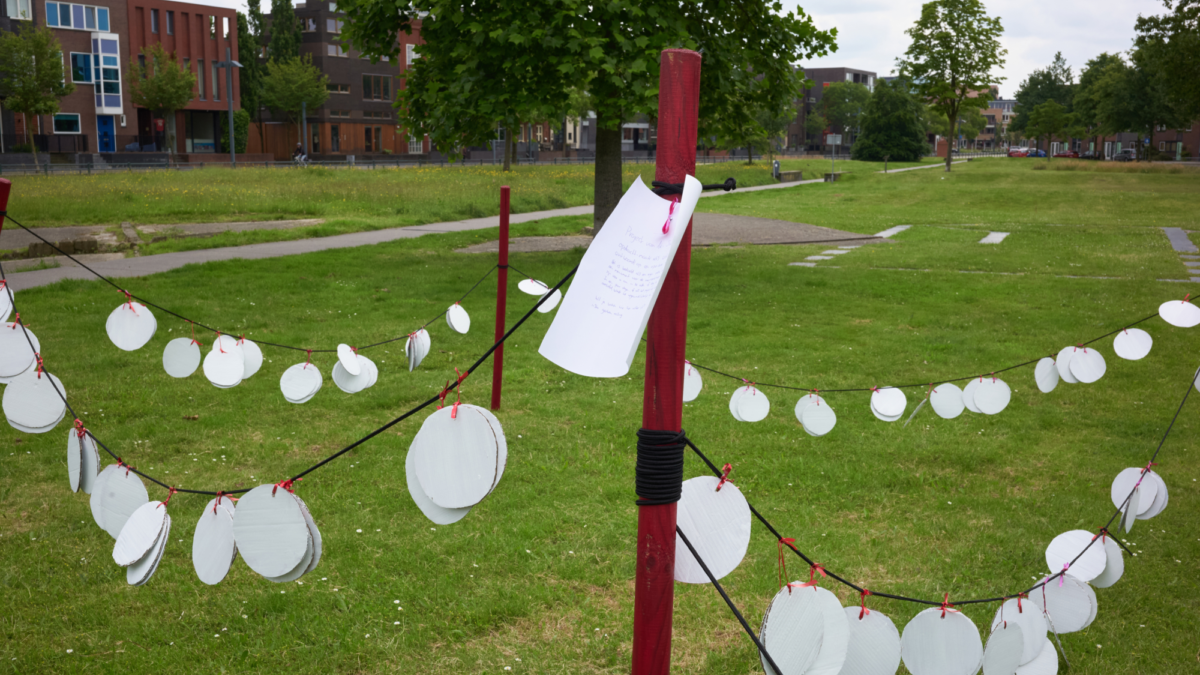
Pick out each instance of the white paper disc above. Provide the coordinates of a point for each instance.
(1068, 607)
(1129, 511)
(501, 443)
(271, 533)
(818, 420)
(1132, 344)
(370, 369)
(351, 384)
(228, 343)
(417, 348)
(300, 382)
(1063, 363)
(1029, 617)
(1115, 567)
(733, 403)
(1005, 647)
(793, 630)
(933, 645)
(885, 418)
(313, 532)
(435, 513)
(349, 359)
(74, 459)
(301, 567)
(805, 401)
(889, 401)
(533, 287)
(139, 533)
(551, 302)
(459, 320)
(969, 394)
(1087, 365)
(1046, 375)
(140, 572)
(692, 383)
(716, 523)
(96, 501)
(181, 357)
(874, 647)
(1180, 313)
(34, 402)
(130, 326)
(252, 357)
(992, 396)
(6, 304)
(213, 546)
(1160, 496)
(224, 368)
(947, 401)
(1123, 484)
(1045, 663)
(15, 355)
(836, 640)
(89, 471)
(1066, 546)
(753, 406)
(456, 458)
(122, 493)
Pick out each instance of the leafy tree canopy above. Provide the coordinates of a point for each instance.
(32, 63)
(284, 32)
(291, 84)
(843, 102)
(892, 125)
(1053, 83)
(162, 85)
(1178, 34)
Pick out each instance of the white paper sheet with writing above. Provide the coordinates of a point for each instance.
(597, 330)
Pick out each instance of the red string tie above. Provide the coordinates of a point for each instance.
(1136, 485)
(219, 345)
(286, 485)
(947, 606)
(170, 493)
(79, 430)
(16, 321)
(817, 393)
(994, 377)
(230, 497)
(194, 340)
(122, 464)
(813, 570)
(724, 476)
(1185, 298)
(129, 300)
(308, 360)
(457, 393)
(1066, 566)
(1021, 610)
(41, 366)
(783, 561)
(670, 214)
(874, 390)
(864, 611)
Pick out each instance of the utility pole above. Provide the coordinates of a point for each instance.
(229, 64)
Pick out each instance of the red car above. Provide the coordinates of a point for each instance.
(1070, 154)
(1018, 152)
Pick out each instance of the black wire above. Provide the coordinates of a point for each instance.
(732, 607)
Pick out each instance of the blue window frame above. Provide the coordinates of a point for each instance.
(66, 123)
(89, 18)
(64, 15)
(102, 19)
(77, 16)
(81, 17)
(81, 67)
(51, 13)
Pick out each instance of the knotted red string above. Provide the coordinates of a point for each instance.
(194, 340)
(219, 345)
(1136, 485)
(725, 470)
(40, 365)
(816, 393)
(813, 569)
(1021, 610)
(864, 611)
(286, 485)
(1066, 566)
(129, 300)
(79, 430)
(783, 561)
(16, 321)
(308, 360)
(127, 467)
(994, 377)
(670, 215)
(1185, 298)
(231, 498)
(170, 493)
(457, 391)
(947, 606)
(874, 390)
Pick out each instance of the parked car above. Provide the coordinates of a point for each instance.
(1034, 152)
(1017, 152)
(1126, 155)
(1069, 154)
(1091, 155)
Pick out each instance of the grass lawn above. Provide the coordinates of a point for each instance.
(542, 571)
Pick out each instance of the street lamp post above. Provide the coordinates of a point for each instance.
(229, 64)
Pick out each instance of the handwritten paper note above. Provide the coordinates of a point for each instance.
(602, 318)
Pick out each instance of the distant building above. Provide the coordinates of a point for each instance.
(810, 102)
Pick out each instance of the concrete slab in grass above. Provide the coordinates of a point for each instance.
(1179, 240)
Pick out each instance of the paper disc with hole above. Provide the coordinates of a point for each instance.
(120, 495)
(271, 533)
(435, 513)
(181, 357)
(34, 404)
(933, 645)
(1046, 375)
(1114, 569)
(836, 639)
(300, 382)
(459, 320)
(1123, 484)
(130, 326)
(992, 396)
(1180, 313)
(15, 355)
(349, 359)
(1005, 646)
(1087, 365)
(805, 401)
(1063, 363)
(140, 572)
(1045, 663)
(1132, 344)
(874, 647)
(818, 420)
(1068, 607)
(716, 523)
(1032, 622)
(551, 302)
(225, 369)
(947, 401)
(252, 357)
(1065, 547)
(889, 402)
(139, 533)
(1160, 496)
(533, 287)
(89, 470)
(753, 406)
(457, 458)
(213, 546)
(692, 382)
(793, 630)
(969, 395)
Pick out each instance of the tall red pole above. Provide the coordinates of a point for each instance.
(5, 188)
(662, 403)
(501, 300)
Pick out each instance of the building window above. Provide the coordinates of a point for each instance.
(18, 9)
(627, 134)
(377, 87)
(216, 88)
(335, 138)
(212, 28)
(1162, 146)
(66, 123)
(333, 25)
(89, 18)
(316, 139)
(338, 88)
(335, 50)
(170, 22)
(225, 27)
(154, 21)
(340, 113)
(81, 67)
(308, 24)
(410, 54)
(333, 6)
(376, 115)
(200, 77)
(416, 145)
(65, 15)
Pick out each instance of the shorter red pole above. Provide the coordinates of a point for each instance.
(501, 299)
(5, 188)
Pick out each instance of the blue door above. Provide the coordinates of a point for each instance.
(105, 140)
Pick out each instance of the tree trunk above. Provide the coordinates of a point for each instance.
(29, 135)
(950, 140)
(508, 151)
(171, 144)
(608, 172)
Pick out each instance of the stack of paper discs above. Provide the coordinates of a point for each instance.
(213, 546)
(231, 360)
(300, 383)
(458, 319)
(1045, 663)
(874, 643)
(1132, 344)
(1180, 313)
(888, 403)
(1080, 364)
(806, 630)
(117, 493)
(34, 402)
(717, 523)
(986, 395)
(1079, 546)
(1151, 495)
(354, 372)
(933, 644)
(275, 534)
(1004, 649)
(459, 457)
(6, 303)
(130, 326)
(1026, 617)
(417, 348)
(83, 461)
(1069, 604)
(692, 382)
(181, 357)
(947, 401)
(749, 404)
(141, 542)
(815, 415)
(16, 356)
(1114, 568)
(535, 287)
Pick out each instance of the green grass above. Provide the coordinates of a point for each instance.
(542, 570)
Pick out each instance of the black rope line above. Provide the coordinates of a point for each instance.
(514, 268)
(659, 472)
(732, 607)
(1102, 532)
(181, 317)
(918, 384)
(665, 189)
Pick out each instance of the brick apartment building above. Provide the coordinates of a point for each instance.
(810, 102)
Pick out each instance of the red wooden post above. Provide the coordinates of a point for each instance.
(5, 188)
(662, 403)
(501, 300)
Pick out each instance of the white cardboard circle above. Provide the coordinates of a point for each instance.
(181, 357)
(1161, 497)
(1133, 344)
(74, 459)
(836, 640)
(889, 401)
(1129, 512)
(213, 546)
(692, 383)
(946, 399)
(992, 396)
(139, 533)
(551, 302)
(305, 561)
(123, 493)
(1066, 546)
(1123, 484)
(874, 647)
(753, 406)
(300, 382)
(885, 418)
(933, 645)
(969, 395)
(1029, 617)
(351, 384)
(457, 458)
(1179, 313)
(793, 630)
(532, 287)
(141, 571)
(34, 402)
(370, 369)
(458, 319)
(89, 470)
(1087, 365)
(1046, 375)
(130, 326)
(1063, 363)
(1004, 650)
(15, 355)
(96, 501)
(1114, 569)
(313, 532)
(224, 369)
(716, 523)
(271, 533)
(252, 357)
(227, 343)
(435, 513)
(1068, 607)
(733, 403)
(1045, 663)
(501, 443)
(805, 401)
(416, 348)
(818, 420)
(349, 359)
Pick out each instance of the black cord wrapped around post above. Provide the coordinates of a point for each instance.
(659, 473)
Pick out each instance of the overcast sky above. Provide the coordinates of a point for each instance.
(871, 32)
